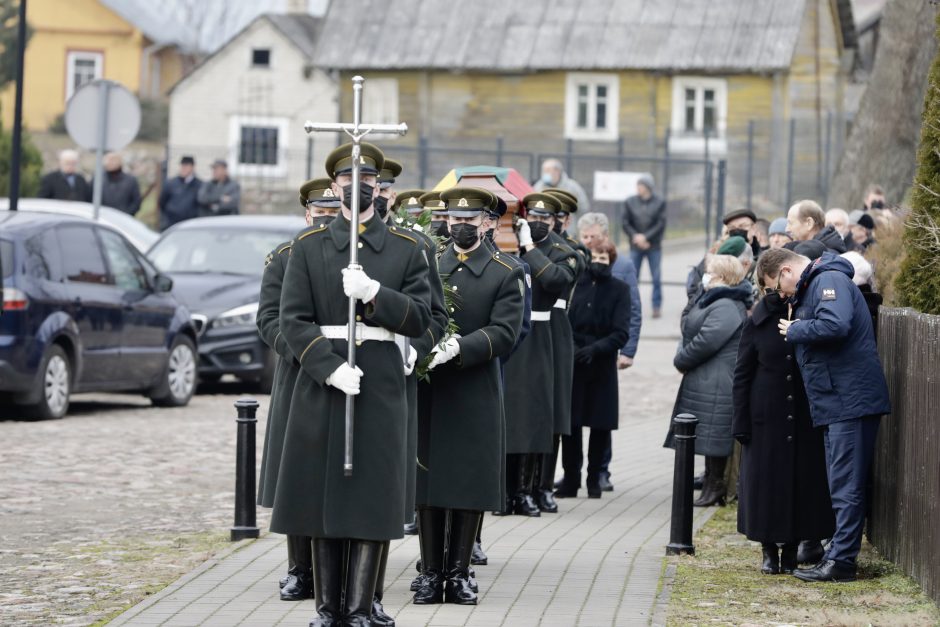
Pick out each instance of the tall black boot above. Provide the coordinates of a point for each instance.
(713, 488)
(771, 559)
(479, 558)
(362, 571)
(463, 531)
(511, 483)
(788, 561)
(379, 617)
(290, 563)
(544, 494)
(522, 503)
(328, 581)
(299, 584)
(431, 529)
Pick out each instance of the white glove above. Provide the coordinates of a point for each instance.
(412, 358)
(444, 353)
(357, 284)
(345, 379)
(524, 233)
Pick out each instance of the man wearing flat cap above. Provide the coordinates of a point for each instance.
(529, 397)
(350, 518)
(220, 195)
(460, 458)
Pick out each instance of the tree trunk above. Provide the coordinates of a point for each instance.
(883, 142)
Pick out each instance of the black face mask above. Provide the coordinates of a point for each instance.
(365, 196)
(557, 227)
(877, 204)
(439, 228)
(539, 231)
(599, 270)
(465, 235)
(739, 233)
(323, 219)
(490, 235)
(380, 204)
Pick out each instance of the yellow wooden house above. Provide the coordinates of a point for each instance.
(650, 76)
(76, 41)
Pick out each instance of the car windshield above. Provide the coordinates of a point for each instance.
(228, 251)
(133, 229)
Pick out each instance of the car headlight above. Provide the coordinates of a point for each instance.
(238, 317)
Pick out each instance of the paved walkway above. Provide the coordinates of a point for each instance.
(597, 562)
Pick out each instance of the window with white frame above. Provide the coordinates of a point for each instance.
(380, 102)
(81, 67)
(592, 106)
(699, 107)
(258, 146)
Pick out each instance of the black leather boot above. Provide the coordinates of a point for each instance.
(544, 496)
(788, 562)
(299, 584)
(511, 484)
(290, 563)
(379, 617)
(593, 487)
(479, 558)
(362, 572)
(713, 488)
(432, 522)
(328, 581)
(771, 563)
(810, 552)
(463, 530)
(522, 503)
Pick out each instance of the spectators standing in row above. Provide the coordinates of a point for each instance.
(66, 183)
(777, 234)
(178, 198)
(119, 189)
(219, 196)
(806, 221)
(555, 177)
(644, 222)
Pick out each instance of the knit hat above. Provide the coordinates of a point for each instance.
(861, 218)
(733, 246)
(778, 227)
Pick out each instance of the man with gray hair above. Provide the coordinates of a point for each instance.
(839, 220)
(806, 221)
(66, 183)
(554, 176)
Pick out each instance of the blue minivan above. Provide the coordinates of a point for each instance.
(85, 311)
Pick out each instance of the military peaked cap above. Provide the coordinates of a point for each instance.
(319, 193)
(371, 160)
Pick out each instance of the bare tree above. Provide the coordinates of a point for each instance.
(883, 142)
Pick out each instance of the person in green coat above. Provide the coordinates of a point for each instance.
(349, 517)
(320, 206)
(529, 407)
(459, 472)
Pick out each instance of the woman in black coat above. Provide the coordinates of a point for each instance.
(782, 491)
(600, 322)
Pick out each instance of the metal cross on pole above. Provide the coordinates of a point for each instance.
(356, 131)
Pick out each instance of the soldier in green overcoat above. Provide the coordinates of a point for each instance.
(459, 473)
(320, 206)
(349, 515)
(530, 415)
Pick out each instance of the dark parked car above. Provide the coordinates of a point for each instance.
(216, 264)
(84, 311)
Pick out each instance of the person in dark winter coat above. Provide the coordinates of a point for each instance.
(219, 196)
(831, 329)
(178, 198)
(706, 359)
(600, 321)
(782, 492)
(66, 183)
(644, 222)
(119, 189)
(806, 221)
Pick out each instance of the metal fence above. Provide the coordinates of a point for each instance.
(905, 518)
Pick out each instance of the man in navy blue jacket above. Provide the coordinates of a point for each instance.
(835, 349)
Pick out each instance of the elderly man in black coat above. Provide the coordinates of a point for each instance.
(66, 183)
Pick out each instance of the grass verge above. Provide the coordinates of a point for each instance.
(723, 585)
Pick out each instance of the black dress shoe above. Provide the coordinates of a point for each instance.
(523, 505)
(788, 561)
(546, 502)
(771, 563)
(299, 586)
(810, 552)
(478, 557)
(827, 570)
(431, 590)
(379, 617)
(566, 492)
(604, 482)
(457, 589)
(283, 581)
(411, 529)
(418, 582)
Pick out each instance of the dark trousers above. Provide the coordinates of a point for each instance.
(572, 455)
(850, 449)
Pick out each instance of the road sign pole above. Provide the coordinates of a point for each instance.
(18, 109)
(103, 89)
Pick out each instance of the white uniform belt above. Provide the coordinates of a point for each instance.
(541, 316)
(561, 303)
(363, 333)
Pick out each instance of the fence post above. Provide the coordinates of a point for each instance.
(245, 521)
(309, 157)
(790, 163)
(422, 161)
(620, 153)
(680, 528)
(666, 163)
(708, 203)
(750, 162)
(569, 148)
(499, 152)
(720, 202)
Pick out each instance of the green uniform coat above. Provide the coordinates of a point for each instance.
(315, 498)
(530, 373)
(285, 371)
(462, 455)
(562, 338)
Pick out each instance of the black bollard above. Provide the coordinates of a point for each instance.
(680, 530)
(245, 521)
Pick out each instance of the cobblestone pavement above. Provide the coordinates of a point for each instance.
(119, 499)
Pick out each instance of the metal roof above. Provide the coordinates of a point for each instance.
(155, 24)
(520, 35)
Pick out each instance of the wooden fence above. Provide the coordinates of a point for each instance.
(905, 522)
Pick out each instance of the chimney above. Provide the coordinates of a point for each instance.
(297, 6)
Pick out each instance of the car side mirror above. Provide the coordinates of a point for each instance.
(162, 283)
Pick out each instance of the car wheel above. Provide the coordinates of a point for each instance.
(55, 377)
(179, 377)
